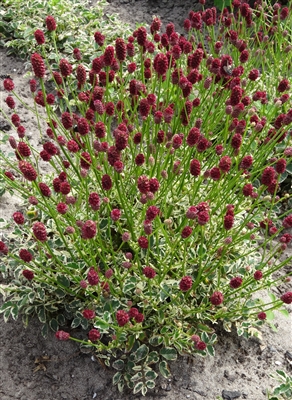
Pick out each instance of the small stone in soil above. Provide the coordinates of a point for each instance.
(230, 395)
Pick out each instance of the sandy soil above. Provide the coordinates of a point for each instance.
(33, 368)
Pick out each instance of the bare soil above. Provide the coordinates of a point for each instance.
(33, 368)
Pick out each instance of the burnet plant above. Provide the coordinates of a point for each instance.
(162, 215)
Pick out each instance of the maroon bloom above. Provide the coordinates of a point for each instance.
(287, 297)
(154, 185)
(3, 248)
(51, 23)
(39, 36)
(281, 166)
(143, 184)
(39, 231)
(45, 190)
(149, 272)
(93, 335)
(92, 277)
(185, 283)
(62, 208)
(25, 255)
(18, 218)
(258, 275)
(152, 212)
(186, 232)
(268, 176)
(94, 201)
(29, 275)
(88, 230)
(8, 84)
(122, 317)
(216, 298)
(38, 65)
(262, 316)
(106, 182)
(235, 282)
(65, 67)
(143, 242)
(27, 170)
(23, 149)
(225, 164)
(99, 38)
(88, 314)
(201, 345)
(287, 222)
(195, 167)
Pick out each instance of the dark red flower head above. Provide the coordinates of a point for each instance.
(27, 170)
(141, 36)
(216, 298)
(88, 230)
(235, 282)
(51, 23)
(18, 218)
(8, 84)
(25, 255)
(186, 283)
(108, 56)
(29, 275)
(38, 65)
(65, 67)
(39, 36)
(39, 231)
(99, 38)
(122, 317)
(149, 272)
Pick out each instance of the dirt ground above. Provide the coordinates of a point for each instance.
(33, 368)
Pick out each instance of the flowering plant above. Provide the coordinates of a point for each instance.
(163, 214)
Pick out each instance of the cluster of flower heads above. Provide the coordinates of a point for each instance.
(162, 59)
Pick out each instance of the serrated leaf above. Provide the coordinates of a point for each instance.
(164, 369)
(168, 353)
(119, 365)
(141, 353)
(117, 377)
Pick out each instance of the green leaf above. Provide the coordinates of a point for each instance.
(45, 331)
(141, 353)
(138, 387)
(168, 353)
(150, 384)
(54, 325)
(164, 369)
(6, 314)
(76, 322)
(283, 177)
(270, 315)
(63, 280)
(156, 340)
(42, 314)
(151, 375)
(152, 358)
(61, 319)
(117, 377)
(284, 312)
(102, 325)
(210, 350)
(119, 365)
(289, 168)
(130, 343)
(14, 312)
(281, 373)
(136, 377)
(6, 305)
